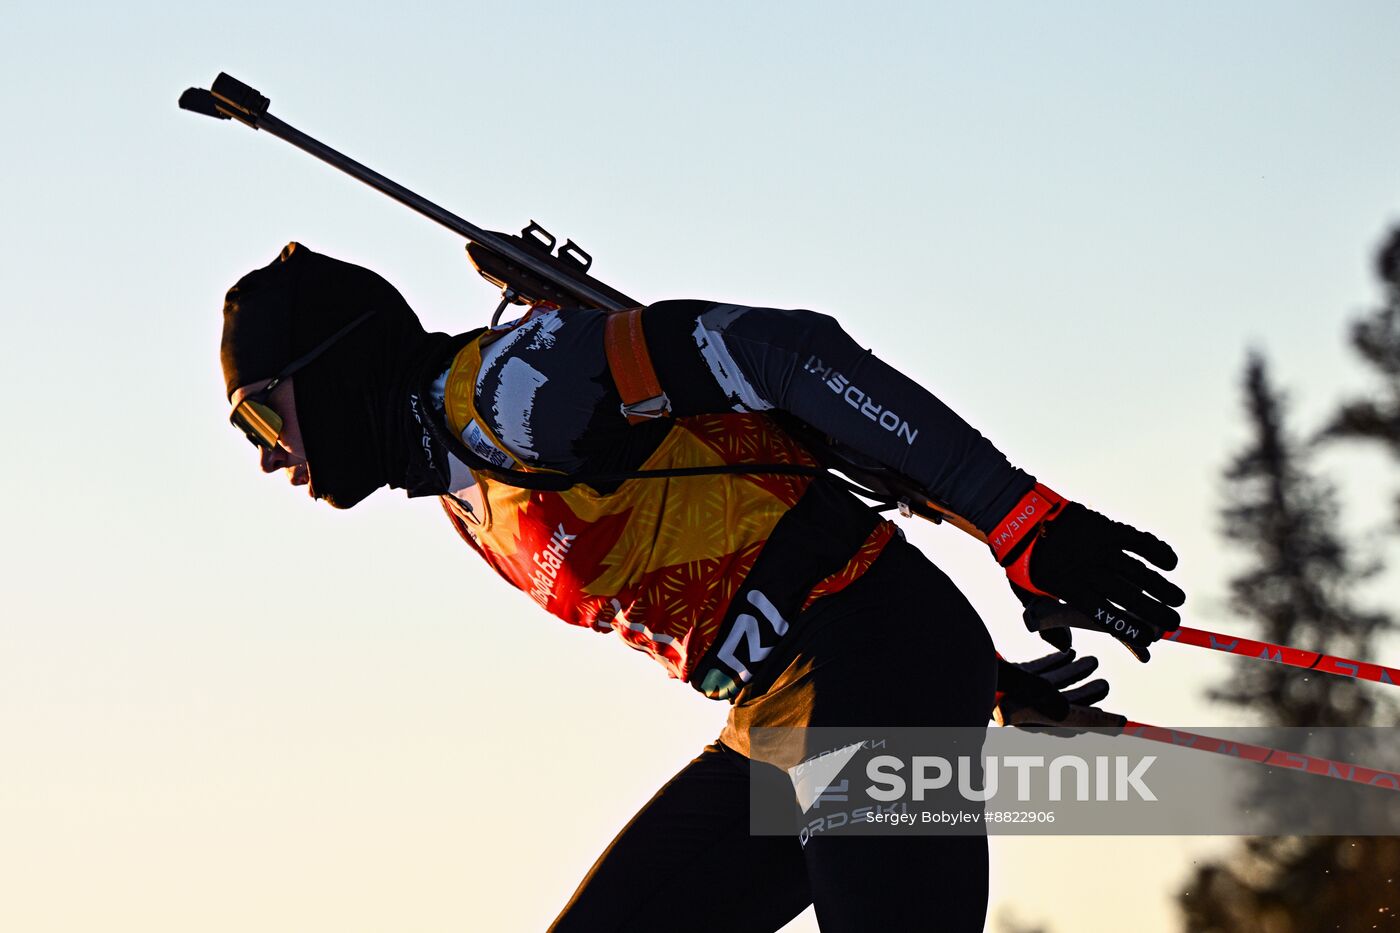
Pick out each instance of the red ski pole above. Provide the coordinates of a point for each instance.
(1282, 654)
(1262, 754)
(1200, 638)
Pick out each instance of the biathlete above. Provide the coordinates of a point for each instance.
(644, 473)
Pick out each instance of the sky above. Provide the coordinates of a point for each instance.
(224, 707)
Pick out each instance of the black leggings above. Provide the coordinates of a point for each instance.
(900, 647)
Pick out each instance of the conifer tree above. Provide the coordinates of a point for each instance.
(1299, 586)
(1299, 589)
(1376, 339)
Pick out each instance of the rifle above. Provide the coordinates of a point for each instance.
(524, 266)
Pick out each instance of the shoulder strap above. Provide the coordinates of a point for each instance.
(632, 369)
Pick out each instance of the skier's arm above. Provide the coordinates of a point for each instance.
(712, 357)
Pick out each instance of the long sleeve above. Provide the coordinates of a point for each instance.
(718, 357)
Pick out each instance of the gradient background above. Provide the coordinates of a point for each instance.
(223, 708)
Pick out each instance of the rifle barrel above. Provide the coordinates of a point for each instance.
(229, 98)
(464, 228)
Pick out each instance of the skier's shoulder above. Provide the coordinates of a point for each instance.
(546, 336)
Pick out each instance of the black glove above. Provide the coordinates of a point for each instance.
(1080, 560)
(1039, 615)
(1052, 620)
(1034, 693)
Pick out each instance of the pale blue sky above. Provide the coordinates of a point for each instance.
(1069, 220)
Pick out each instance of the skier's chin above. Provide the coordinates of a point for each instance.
(329, 498)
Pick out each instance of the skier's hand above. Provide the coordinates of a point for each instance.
(1054, 628)
(1052, 620)
(1081, 560)
(1038, 693)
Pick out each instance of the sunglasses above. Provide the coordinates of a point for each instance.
(258, 422)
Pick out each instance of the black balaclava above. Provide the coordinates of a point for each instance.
(353, 400)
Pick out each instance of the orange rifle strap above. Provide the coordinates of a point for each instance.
(957, 521)
(632, 369)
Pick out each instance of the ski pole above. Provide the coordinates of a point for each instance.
(1262, 754)
(1282, 654)
(1200, 638)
